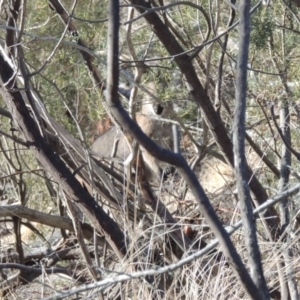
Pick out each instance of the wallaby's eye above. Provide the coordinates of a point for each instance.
(158, 109)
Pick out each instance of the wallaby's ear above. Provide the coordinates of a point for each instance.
(158, 109)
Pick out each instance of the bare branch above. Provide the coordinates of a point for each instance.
(177, 160)
(124, 277)
(201, 98)
(288, 146)
(46, 219)
(245, 200)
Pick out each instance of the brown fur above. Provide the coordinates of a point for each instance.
(159, 131)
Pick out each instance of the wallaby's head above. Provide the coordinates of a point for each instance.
(151, 107)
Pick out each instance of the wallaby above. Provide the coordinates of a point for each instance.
(149, 121)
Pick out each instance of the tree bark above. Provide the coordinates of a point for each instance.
(244, 196)
(200, 96)
(54, 165)
(122, 117)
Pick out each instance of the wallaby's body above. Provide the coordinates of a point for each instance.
(149, 121)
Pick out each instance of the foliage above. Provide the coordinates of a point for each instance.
(171, 226)
(262, 25)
